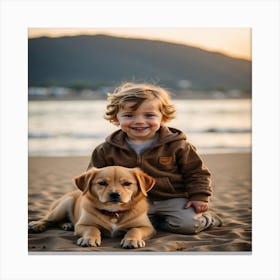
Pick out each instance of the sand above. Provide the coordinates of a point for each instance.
(50, 177)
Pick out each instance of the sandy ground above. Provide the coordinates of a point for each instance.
(50, 177)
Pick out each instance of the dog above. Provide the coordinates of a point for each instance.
(111, 201)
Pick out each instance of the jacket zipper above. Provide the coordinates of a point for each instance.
(139, 161)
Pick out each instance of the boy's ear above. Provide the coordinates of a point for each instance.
(116, 122)
(163, 121)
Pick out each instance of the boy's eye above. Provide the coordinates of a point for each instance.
(150, 115)
(128, 115)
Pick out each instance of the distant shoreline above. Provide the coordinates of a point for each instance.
(68, 93)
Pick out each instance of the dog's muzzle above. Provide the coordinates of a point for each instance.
(114, 197)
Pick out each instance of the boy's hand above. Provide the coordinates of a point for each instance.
(199, 206)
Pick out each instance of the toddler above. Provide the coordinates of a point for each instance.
(179, 199)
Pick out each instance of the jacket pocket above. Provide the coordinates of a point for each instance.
(163, 184)
(167, 163)
(165, 160)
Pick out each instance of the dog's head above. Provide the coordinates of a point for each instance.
(114, 184)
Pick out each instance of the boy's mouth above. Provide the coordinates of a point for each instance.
(139, 129)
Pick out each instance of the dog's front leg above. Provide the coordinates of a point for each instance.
(135, 237)
(90, 235)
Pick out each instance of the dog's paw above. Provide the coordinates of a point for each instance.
(37, 226)
(89, 242)
(67, 226)
(132, 243)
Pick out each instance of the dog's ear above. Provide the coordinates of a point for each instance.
(83, 181)
(145, 181)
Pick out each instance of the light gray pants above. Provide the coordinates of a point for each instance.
(170, 215)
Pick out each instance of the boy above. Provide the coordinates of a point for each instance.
(179, 199)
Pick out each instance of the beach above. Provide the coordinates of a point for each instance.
(51, 177)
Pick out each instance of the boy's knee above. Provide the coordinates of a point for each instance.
(186, 224)
(189, 225)
(173, 217)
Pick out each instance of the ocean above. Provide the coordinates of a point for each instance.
(75, 128)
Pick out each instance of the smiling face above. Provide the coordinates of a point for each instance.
(140, 124)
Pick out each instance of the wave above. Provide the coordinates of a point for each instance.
(42, 135)
(221, 130)
(82, 135)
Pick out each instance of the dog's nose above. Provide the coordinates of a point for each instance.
(115, 197)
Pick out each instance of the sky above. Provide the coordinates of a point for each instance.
(235, 42)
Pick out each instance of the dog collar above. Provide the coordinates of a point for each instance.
(115, 215)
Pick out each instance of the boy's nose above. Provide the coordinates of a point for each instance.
(138, 119)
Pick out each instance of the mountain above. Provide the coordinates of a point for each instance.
(101, 60)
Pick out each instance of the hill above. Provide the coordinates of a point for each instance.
(105, 60)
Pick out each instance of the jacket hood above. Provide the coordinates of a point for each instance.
(166, 135)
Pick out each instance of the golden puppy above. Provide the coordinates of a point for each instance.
(111, 201)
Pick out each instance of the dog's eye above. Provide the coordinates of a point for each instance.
(103, 183)
(126, 184)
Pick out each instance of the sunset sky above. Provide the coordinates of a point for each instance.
(234, 42)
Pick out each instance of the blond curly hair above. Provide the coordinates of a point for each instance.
(138, 93)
